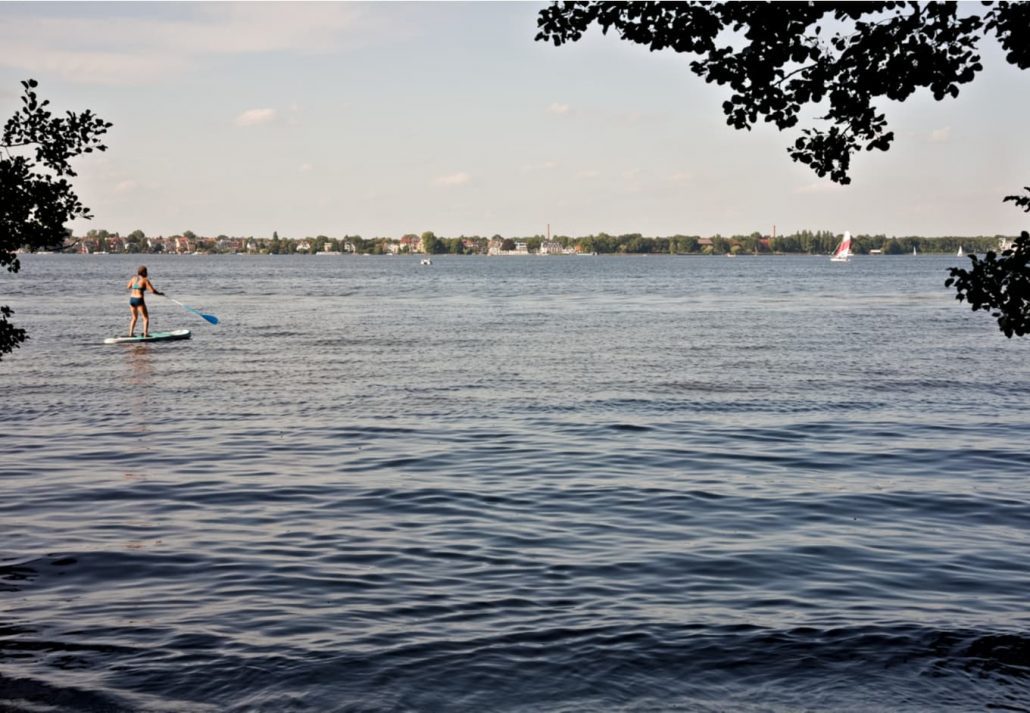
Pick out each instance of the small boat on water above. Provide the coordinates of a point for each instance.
(960, 252)
(843, 252)
(426, 261)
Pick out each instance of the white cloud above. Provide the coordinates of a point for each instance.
(455, 179)
(940, 136)
(255, 117)
(557, 108)
(681, 177)
(93, 67)
(588, 174)
(105, 48)
(126, 186)
(305, 168)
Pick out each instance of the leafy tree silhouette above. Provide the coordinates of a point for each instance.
(36, 199)
(779, 58)
(1000, 283)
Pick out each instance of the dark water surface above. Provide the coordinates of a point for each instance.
(513, 484)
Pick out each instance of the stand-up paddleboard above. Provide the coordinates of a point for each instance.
(154, 337)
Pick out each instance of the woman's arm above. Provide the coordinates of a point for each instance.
(152, 288)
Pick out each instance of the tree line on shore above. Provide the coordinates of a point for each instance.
(805, 242)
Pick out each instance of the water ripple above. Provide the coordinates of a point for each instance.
(517, 485)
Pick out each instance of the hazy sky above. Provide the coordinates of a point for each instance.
(387, 118)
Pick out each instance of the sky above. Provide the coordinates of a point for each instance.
(380, 119)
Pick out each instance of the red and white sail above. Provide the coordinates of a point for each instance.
(843, 252)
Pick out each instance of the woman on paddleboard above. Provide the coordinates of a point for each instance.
(139, 284)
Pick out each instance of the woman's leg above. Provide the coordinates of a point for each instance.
(146, 319)
(132, 324)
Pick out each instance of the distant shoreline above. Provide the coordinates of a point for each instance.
(804, 242)
(927, 253)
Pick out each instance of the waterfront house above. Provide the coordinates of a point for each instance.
(411, 243)
(550, 247)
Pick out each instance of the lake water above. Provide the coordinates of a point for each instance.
(513, 484)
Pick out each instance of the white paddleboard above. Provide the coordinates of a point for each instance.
(154, 337)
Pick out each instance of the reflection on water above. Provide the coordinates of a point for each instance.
(141, 367)
(141, 384)
(518, 485)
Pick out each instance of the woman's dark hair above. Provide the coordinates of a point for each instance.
(142, 271)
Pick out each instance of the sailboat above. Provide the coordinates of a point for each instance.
(843, 252)
(960, 253)
(914, 253)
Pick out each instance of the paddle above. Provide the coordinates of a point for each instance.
(209, 317)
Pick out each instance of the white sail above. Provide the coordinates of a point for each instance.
(960, 252)
(843, 252)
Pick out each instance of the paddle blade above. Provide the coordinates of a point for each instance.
(209, 317)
